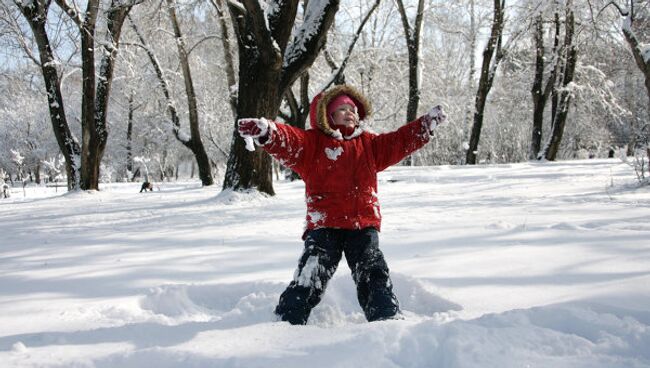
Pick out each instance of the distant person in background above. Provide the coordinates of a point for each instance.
(5, 190)
(339, 162)
(146, 186)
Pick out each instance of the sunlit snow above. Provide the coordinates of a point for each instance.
(521, 265)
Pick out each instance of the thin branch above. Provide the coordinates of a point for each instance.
(344, 63)
(199, 42)
(623, 12)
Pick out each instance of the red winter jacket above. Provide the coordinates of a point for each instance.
(340, 175)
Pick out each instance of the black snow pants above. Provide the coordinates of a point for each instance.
(323, 251)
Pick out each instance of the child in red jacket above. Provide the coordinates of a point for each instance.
(339, 162)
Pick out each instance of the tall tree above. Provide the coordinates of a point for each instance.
(488, 70)
(541, 91)
(96, 88)
(194, 143)
(568, 62)
(413, 41)
(96, 85)
(35, 13)
(222, 15)
(270, 60)
(640, 51)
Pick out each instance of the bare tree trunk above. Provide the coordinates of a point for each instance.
(115, 20)
(473, 34)
(412, 36)
(565, 96)
(129, 136)
(540, 93)
(635, 46)
(413, 46)
(96, 91)
(488, 70)
(222, 14)
(536, 90)
(37, 173)
(36, 16)
(554, 89)
(195, 143)
(90, 137)
(268, 66)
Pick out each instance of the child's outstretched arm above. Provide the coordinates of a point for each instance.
(285, 143)
(391, 148)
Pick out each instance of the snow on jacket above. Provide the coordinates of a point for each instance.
(340, 173)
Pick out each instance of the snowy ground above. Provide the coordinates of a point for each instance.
(523, 265)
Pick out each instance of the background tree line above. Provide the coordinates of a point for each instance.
(113, 90)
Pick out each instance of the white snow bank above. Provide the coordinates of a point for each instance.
(533, 264)
(554, 336)
(253, 302)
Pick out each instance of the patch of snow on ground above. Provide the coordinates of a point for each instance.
(532, 264)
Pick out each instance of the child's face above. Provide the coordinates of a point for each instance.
(345, 115)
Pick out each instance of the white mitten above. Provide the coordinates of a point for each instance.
(434, 117)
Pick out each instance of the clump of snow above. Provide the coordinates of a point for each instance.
(314, 16)
(19, 347)
(315, 217)
(307, 276)
(250, 146)
(230, 196)
(172, 300)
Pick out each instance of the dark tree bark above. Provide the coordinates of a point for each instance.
(129, 136)
(268, 65)
(195, 143)
(412, 35)
(488, 70)
(90, 136)
(554, 89)
(536, 90)
(569, 60)
(539, 92)
(36, 16)
(222, 14)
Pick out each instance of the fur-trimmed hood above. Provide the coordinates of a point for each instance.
(318, 108)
